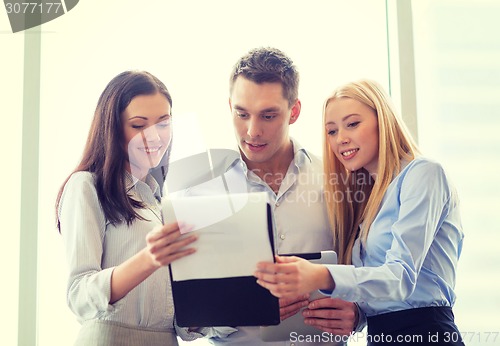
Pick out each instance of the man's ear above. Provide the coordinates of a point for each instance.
(294, 115)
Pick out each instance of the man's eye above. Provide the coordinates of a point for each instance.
(268, 117)
(241, 115)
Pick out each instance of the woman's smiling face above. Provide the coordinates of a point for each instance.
(352, 133)
(147, 131)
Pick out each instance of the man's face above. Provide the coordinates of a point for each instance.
(261, 117)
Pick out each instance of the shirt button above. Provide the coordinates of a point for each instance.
(282, 236)
(292, 344)
(277, 204)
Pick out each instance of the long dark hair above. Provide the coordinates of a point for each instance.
(104, 153)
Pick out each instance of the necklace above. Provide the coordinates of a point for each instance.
(156, 210)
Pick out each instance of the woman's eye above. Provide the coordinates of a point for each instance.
(331, 132)
(353, 124)
(163, 124)
(137, 126)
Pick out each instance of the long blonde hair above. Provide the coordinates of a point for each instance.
(353, 198)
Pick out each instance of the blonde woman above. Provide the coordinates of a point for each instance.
(396, 220)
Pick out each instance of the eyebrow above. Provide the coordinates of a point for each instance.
(239, 108)
(146, 118)
(266, 110)
(343, 119)
(270, 110)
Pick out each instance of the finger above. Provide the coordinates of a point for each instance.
(160, 231)
(167, 234)
(292, 309)
(172, 257)
(286, 302)
(282, 279)
(276, 267)
(167, 240)
(331, 314)
(330, 326)
(163, 248)
(185, 228)
(159, 242)
(328, 308)
(155, 233)
(331, 318)
(326, 323)
(279, 290)
(267, 277)
(268, 267)
(286, 259)
(328, 302)
(170, 228)
(178, 246)
(285, 316)
(161, 256)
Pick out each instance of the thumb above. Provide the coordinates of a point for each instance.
(286, 259)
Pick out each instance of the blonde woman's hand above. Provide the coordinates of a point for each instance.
(166, 243)
(292, 276)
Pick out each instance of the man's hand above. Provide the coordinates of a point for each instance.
(289, 307)
(332, 315)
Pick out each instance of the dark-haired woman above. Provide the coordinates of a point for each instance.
(109, 214)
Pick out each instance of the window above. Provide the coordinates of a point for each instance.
(457, 52)
(191, 46)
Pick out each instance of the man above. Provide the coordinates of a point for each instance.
(264, 103)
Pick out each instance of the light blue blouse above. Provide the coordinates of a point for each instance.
(410, 257)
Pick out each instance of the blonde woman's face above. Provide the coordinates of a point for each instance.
(352, 133)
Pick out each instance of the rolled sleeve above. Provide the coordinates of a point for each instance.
(361, 320)
(345, 280)
(82, 224)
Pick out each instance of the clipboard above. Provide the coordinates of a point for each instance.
(295, 323)
(203, 299)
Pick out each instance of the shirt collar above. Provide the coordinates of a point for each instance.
(131, 182)
(300, 157)
(300, 154)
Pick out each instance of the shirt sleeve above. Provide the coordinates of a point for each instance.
(190, 334)
(361, 320)
(82, 225)
(423, 197)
